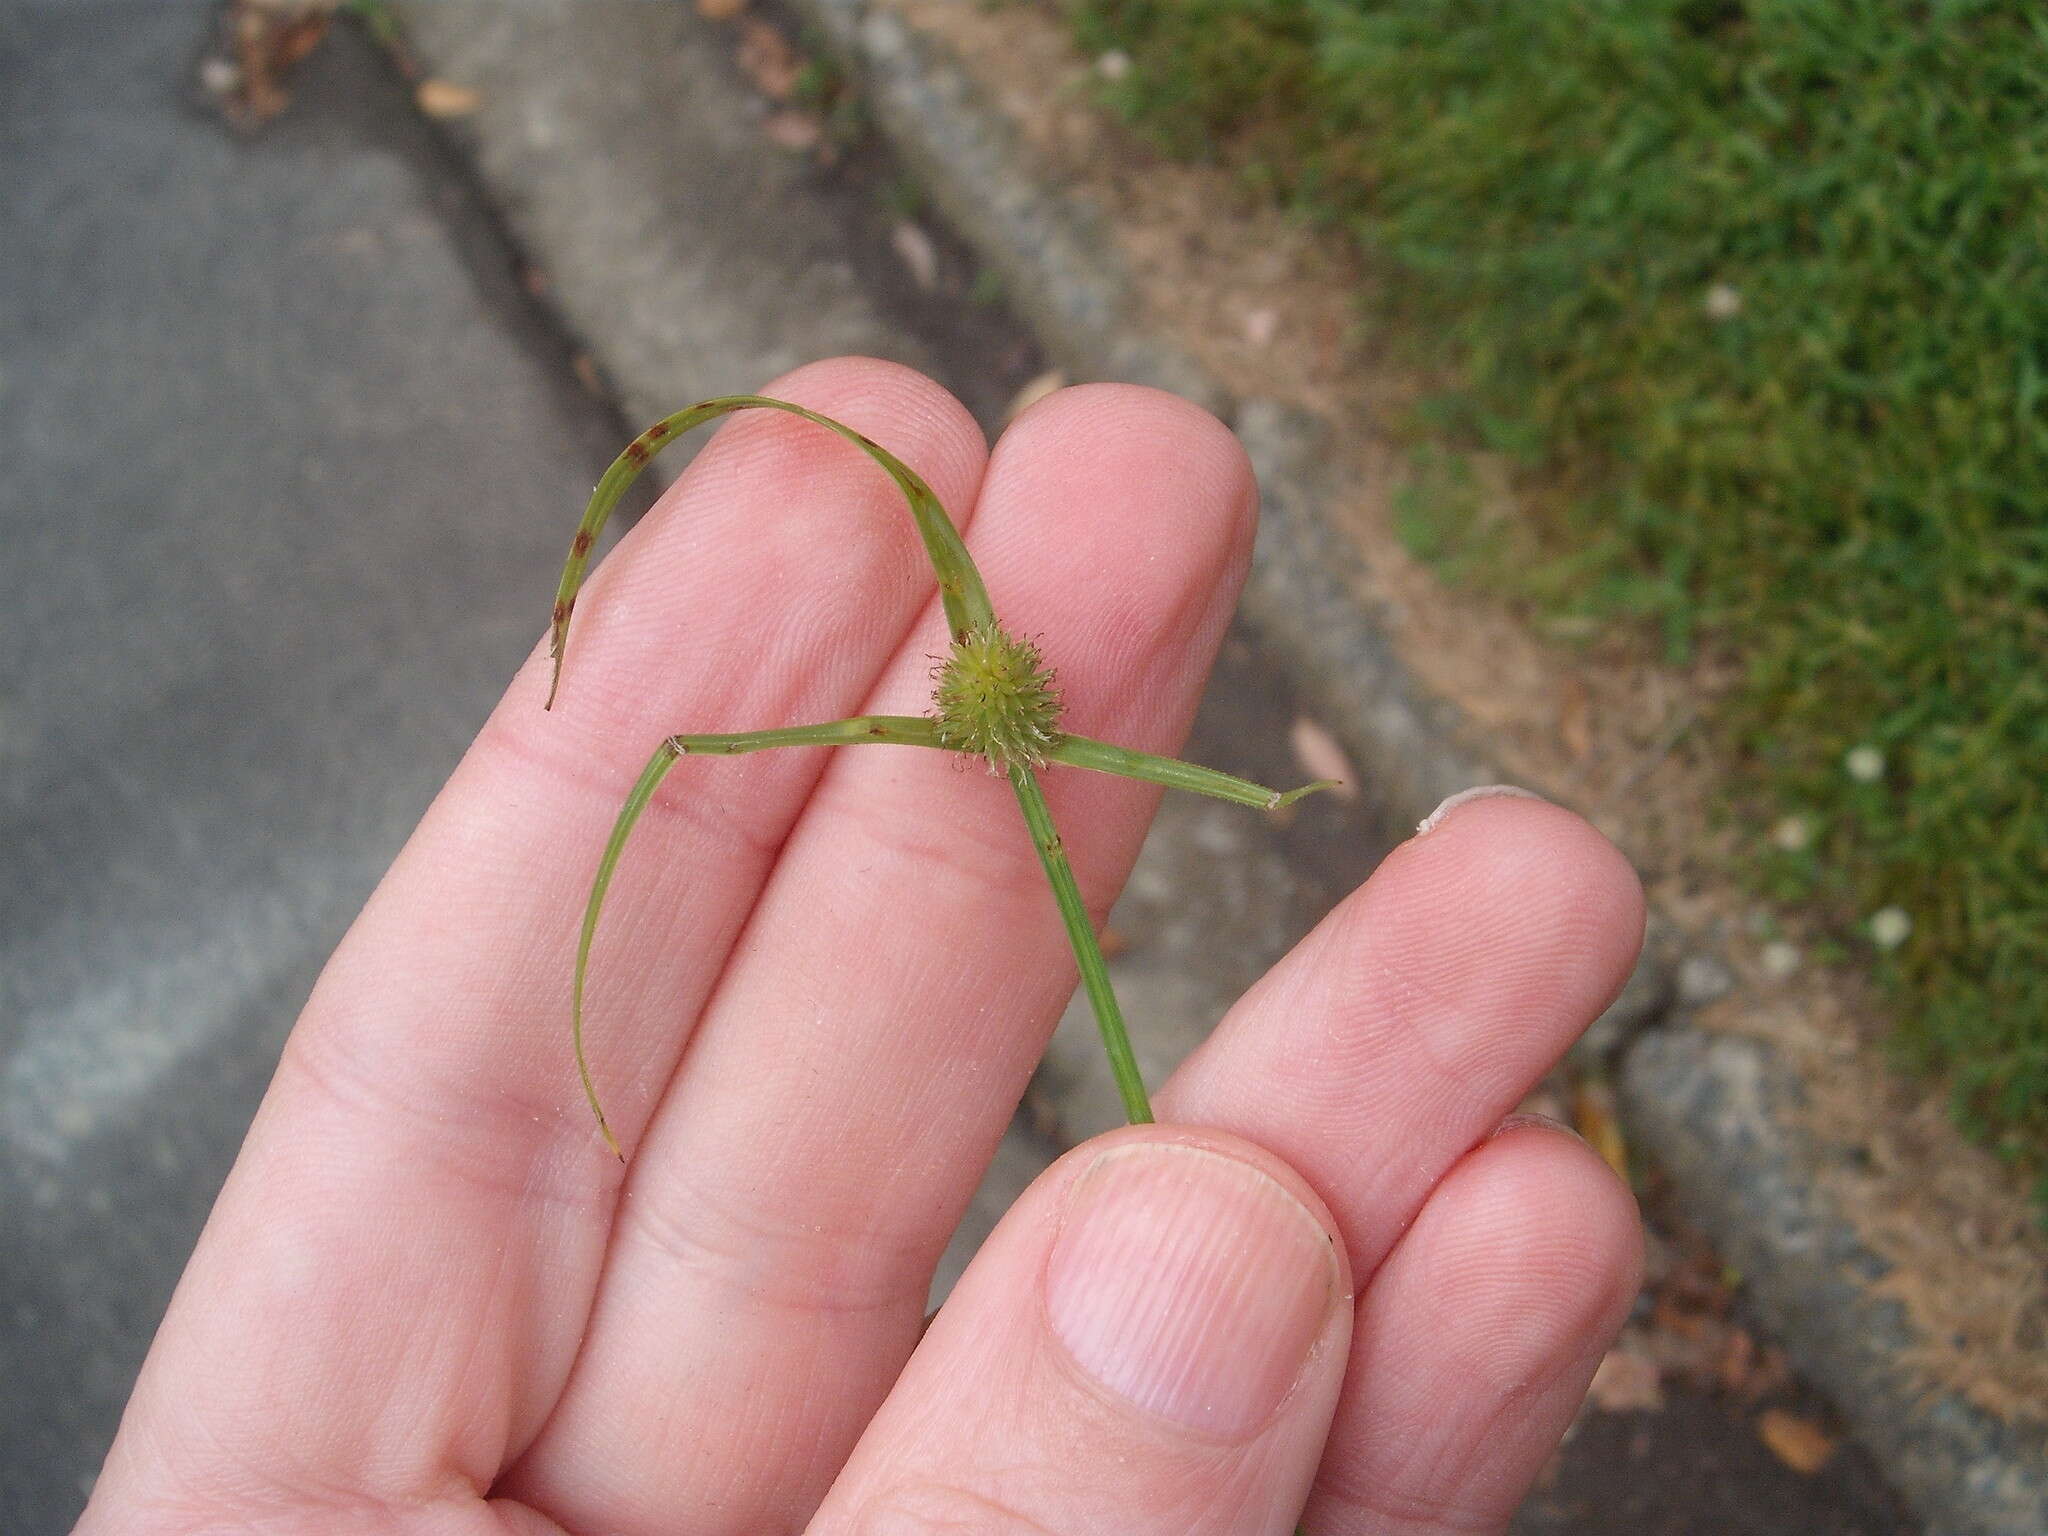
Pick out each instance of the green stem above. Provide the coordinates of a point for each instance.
(1102, 757)
(899, 730)
(1109, 1018)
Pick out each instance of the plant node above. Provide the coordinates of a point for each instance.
(994, 696)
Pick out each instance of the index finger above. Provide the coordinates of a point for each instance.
(395, 1280)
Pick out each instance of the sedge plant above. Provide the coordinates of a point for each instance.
(993, 697)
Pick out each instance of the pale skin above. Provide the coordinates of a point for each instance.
(429, 1301)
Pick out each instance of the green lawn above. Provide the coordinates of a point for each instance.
(1763, 287)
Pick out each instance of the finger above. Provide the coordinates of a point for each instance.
(416, 1222)
(1475, 1341)
(1398, 1035)
(1420, 1012)
(1152, 1341)
(897, 982)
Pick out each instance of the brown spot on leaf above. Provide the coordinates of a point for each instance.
(656, 432)
(636, 451)
(561, 612)
(584, 539)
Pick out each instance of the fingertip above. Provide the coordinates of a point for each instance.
(1190, 1282)
(1153, 1340)
(1481, 1331)
(1543, 1212)
(1139, 460)
(1216, 1143)
(1534, 877)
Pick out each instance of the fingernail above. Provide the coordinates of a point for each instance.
(1190, 1284)
(1525, 1119)
(1430, 822)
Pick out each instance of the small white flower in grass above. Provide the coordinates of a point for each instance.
(1722, 302)
(1113, 65)
(1864, 764)
(1779, 960)
(1890, 927)
(1792, 834)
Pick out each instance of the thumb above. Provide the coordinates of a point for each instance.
(1152, 1341)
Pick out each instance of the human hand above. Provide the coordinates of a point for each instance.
(429, 1304)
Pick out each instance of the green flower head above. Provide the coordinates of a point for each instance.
(994, 696)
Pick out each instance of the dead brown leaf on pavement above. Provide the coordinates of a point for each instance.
(1033, 391)
(914, 248)
(1797, 1441)
(795, 131)
(767, 59)
(1322, 758)
(444, 98)
(1628, 1381)
(1575, 718)
(264, 40)
(1595, 1117)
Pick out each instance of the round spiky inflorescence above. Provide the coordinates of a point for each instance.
(995, 697)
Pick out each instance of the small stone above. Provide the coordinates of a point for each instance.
(219, 77)
(1703, 979)
(1113, 65)
(1261, 326)
(1779, 961)
(1890, 927)
(1793, 834)
(1864, 764)
(1722, 302)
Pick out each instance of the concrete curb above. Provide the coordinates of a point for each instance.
(1710, 1106)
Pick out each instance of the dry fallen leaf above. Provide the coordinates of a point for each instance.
(444, 98)
(767, 59)
(1574, 718)
(1798, 1442)
(1049, 382)
(914, 247)
(1737, 1365)
(1594, 1117)
(1627, 1382)
(269, 37)
(1321, 758)
(798, 131)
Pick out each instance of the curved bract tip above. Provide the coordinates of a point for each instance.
(1293, 795)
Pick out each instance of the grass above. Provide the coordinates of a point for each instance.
(1759, 286)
